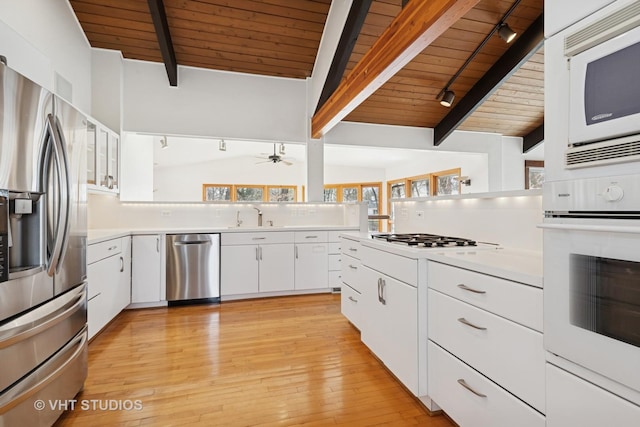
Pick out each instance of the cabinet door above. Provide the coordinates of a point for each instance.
(102, 159)
(146, 269)
(312, 266)
(92, 138)
(113, 159)
(102, 277)
(390, 329)
(276, 267)
(238, 270)
(123, 292)
(572, 401)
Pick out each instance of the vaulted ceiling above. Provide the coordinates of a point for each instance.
(282, 37)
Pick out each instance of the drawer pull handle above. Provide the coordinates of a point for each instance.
(258, 238)
(466, 288)
(353, 299)
(310, 237)
(466, 322)
(111, 248)
(468, 387)
(353, 249)
(353, 267)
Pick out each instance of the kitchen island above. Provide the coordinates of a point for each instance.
(472, 312)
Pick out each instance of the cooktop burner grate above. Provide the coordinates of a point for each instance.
(424, 240)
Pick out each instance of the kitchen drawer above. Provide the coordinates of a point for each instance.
(396, 266)
(494, 408)
(571, 401)
(334, 235)
(350, 247)
(350, 268)
(351, 305)
(311, 236)
(102, 250)
(335, 279)
(334, 247)
(256, 238)
(508, 353)
(513, 300)
(334, 262)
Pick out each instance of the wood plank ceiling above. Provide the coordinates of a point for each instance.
(281, 38)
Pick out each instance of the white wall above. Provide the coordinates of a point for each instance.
(106, 80)
(509, 219)
(46, 33)
(213, 103)
(136, 167)
(106, 212)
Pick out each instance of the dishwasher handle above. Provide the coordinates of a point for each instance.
(193, 242)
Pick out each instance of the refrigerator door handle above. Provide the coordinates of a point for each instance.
(50, 184)
(65, 187)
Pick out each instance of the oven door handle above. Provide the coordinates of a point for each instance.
(592, 228)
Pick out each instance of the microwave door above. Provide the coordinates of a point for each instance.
(605, 90)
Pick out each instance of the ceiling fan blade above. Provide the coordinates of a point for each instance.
(286, 162)
(266, 161)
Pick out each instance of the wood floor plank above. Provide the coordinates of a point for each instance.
(272, 362)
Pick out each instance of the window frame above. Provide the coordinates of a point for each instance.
(233, 192)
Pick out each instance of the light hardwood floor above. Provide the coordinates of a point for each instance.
(269, 362)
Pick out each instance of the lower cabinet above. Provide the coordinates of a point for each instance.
(147, 269)
(389, 325)
(109, 277)
(351, 305)
(311, 266)
(251, 263)
(572, 401)
(471, 399)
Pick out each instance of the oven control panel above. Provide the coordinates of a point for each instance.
(605, 194)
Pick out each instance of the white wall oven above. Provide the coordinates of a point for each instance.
(592, 277)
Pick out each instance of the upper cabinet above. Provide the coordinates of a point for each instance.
(103, 157)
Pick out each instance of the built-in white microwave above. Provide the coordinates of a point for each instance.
(604, 108)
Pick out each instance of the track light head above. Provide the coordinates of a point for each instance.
(447, 98)
(163, 142)
(506, 33)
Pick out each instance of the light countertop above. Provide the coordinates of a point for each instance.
(513, 264)
(101, 235)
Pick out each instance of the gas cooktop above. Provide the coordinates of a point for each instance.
(425, 240)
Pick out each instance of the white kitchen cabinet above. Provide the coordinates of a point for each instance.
(276, 267)
(390, 325)
(510, 354)
(471, 399)
(572, 401)
(147, 269)
(311, 260)
(103, 158)
(108, 271)
(253, 263)
(351, 301)
(488, 329)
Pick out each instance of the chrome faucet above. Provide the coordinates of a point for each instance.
(259, 217)
(238, 220)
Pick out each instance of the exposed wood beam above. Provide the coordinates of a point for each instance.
(415, 27)
(533, 138)
(521, 50)
(159, 17)
(348, 38)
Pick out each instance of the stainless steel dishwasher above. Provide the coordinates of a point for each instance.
(193, 268)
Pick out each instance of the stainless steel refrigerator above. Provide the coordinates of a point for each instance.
(43, 233)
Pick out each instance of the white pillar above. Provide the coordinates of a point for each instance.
(315, 170)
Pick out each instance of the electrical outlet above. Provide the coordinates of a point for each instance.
(404, 213)
(165, 213)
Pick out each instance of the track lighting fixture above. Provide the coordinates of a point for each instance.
(281, 150)
(506, 33)
(447, 98)
(163, 142)
(222, 146)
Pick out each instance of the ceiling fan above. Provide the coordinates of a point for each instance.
(275, 158)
